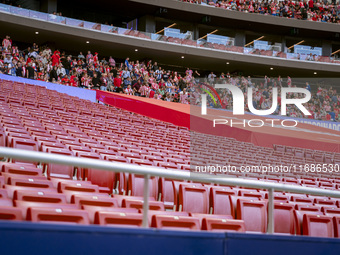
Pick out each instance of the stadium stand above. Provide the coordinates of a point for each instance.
(306, 10)
(148, 79)
(54, 123)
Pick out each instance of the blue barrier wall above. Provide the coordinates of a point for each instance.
(33, 238)
(72, 91)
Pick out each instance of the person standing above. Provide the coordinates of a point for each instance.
(30, 72)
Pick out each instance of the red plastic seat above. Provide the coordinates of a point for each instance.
(336, 222)
(166, 193)
(10, 213)
(193, 198)
(298, 216)
(59, 171)
(25, 205)
(250, 193)
(151, 213)
(175, 222)
(30, 182)
(136, 186)
(6, 202)
(39, 196)
(120, 198)
(324, 201)
(284, 218)
(93, 200)
(83, 173)
(63, 216)
(2, 181)
(221, 202)
(307, 207)
(138, 204)
(318, 225)
(254, 214)
(20, 169)
(23, 144)
(80, 188)
(331, 211)
(120, 219)
(92, 210)
(202, 216)
(223, 225)
(3, 193)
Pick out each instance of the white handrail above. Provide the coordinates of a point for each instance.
(147, 171)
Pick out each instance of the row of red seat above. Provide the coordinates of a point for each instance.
(36, 200)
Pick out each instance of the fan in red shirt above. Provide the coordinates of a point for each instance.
(65, 81)
(56, 58)
(117, 81)
(74, 81)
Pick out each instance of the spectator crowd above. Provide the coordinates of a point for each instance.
(313, 10)
(149, 79)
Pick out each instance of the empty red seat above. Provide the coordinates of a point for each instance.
(92, 210)
(10, 213)
(6, 202)
(39, 196)
(324, 201)
(175, 222)
(138, 204)
(79, 188)
(223, 225)
(336, 222)
(94, 200)
(298, 216)
(57, 215)
(136, 186)
(307, 207)
(318, 225)
(251, 193)
(2, 181)
(166, 193)
(120, 198)
(59, 171)
(254, 214)
(25, 205)
(30, 182)
(193, 198)
(151, 213)
(221, 202)
(21, 169)
(202, 216)
(10, 189)
(331, 211)
(284, 218)
(3, 193)
(23, 144)
(120, 219)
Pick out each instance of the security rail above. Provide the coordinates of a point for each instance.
(148, 171)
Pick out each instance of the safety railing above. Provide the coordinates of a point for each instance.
(147, 171)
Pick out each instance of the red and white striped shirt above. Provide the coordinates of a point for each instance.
(128, 91)
(144, 90)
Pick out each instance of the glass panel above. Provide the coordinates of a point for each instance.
(20, 11)
(38, 15)
(5, 8)
(55, 18)
(90, 25)
(74, 22)
(107, 28)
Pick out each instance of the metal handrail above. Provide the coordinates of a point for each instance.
(147, 171)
